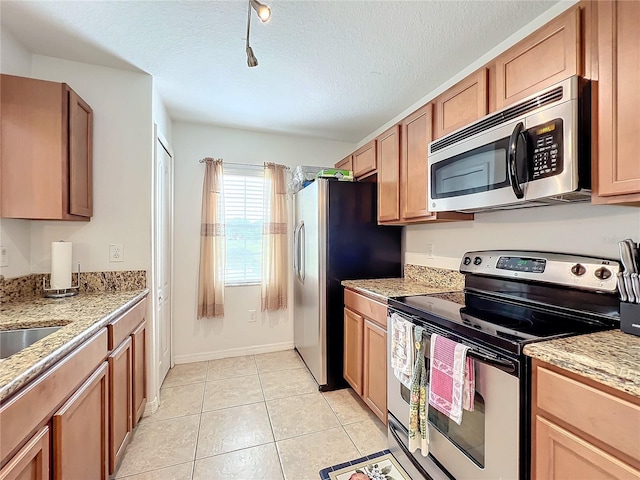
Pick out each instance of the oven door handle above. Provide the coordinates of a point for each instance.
(503, 365)
(512, 169)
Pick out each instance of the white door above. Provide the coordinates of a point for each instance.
(164, 226)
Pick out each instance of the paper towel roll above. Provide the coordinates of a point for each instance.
(60, 265)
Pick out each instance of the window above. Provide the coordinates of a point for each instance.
(243, 209)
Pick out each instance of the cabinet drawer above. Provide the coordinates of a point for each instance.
(367, 308)
(610, 419)
(122, 327)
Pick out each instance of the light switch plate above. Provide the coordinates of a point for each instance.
(116, 252)
(4, 257)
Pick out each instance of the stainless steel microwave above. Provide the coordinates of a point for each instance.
(530, 154)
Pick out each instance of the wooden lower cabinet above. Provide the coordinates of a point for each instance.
(365, 350)
(561, 455)
(353, 350)
(375, 369)
(139, 356)
(581, 428)
(32, 461)
(80, 431)
(120, 402)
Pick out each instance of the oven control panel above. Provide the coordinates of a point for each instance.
(589, 273)
(547, 149)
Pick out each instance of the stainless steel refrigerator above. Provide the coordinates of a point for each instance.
(336, 237)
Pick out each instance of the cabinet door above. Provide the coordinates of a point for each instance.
(545, 57)
(463, 103)
(33, 152)
(416, 135)
(139, 355)
(364, 160)
(345, 164)
(389, 175)
(32, 461)
(80, 431)
(120, 409)
(618, 100)
(560, 455)
(80, 156)
(375, 369)
(353, 350)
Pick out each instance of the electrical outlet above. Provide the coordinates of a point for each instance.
(252, 315)
(428, 250)
(116, 252)
(4, 257)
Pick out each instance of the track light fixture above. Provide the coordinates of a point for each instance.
(264, 14)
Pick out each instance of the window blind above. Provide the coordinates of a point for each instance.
(243, 207)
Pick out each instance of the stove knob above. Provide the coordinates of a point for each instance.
(578, 270)
(477, 261)
(602, 273)
(467, 260)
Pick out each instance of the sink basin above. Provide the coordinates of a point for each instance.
(12, 341)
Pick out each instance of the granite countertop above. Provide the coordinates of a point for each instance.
(611, 358)
(81, 316)
(396, 287)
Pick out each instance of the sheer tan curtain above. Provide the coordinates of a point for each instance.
(212, 243)
(274, 239)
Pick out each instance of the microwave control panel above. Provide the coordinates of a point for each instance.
(546, 142)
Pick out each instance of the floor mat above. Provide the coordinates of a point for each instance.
(378, 466)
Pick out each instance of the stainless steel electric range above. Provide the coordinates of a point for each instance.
(510, 299)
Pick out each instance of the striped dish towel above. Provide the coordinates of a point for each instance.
(452, 380)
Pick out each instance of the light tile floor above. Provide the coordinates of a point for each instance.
(245, 418)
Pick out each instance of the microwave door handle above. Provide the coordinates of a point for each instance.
(512, 166)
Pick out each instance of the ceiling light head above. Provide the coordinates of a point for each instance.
(263, 11)
(252, 61)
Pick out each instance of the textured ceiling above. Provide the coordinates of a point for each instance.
(330, 69)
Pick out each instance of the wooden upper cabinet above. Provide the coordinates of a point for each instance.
(460, 105)
(552, 53)
(346, 163)
(364, 160)
(416, 135)
(617, 101)
(389, 175)
(46, 151)
(80, 156)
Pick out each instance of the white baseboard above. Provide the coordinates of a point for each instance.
(233, 352)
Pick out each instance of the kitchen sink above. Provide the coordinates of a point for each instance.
(12, 341)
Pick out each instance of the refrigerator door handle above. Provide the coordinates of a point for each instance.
(295, 250)
(302, 246)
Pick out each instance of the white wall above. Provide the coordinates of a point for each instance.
(15, 235)
(579, 228)
(232, 335)
(161, 116)
(122, 154)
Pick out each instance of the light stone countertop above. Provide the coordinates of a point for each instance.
(385, 288)
(82, 317)
(611, 358)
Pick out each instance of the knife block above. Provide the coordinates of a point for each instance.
(630, 318)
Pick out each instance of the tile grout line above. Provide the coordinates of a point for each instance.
(275, 445)
(195, 450)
